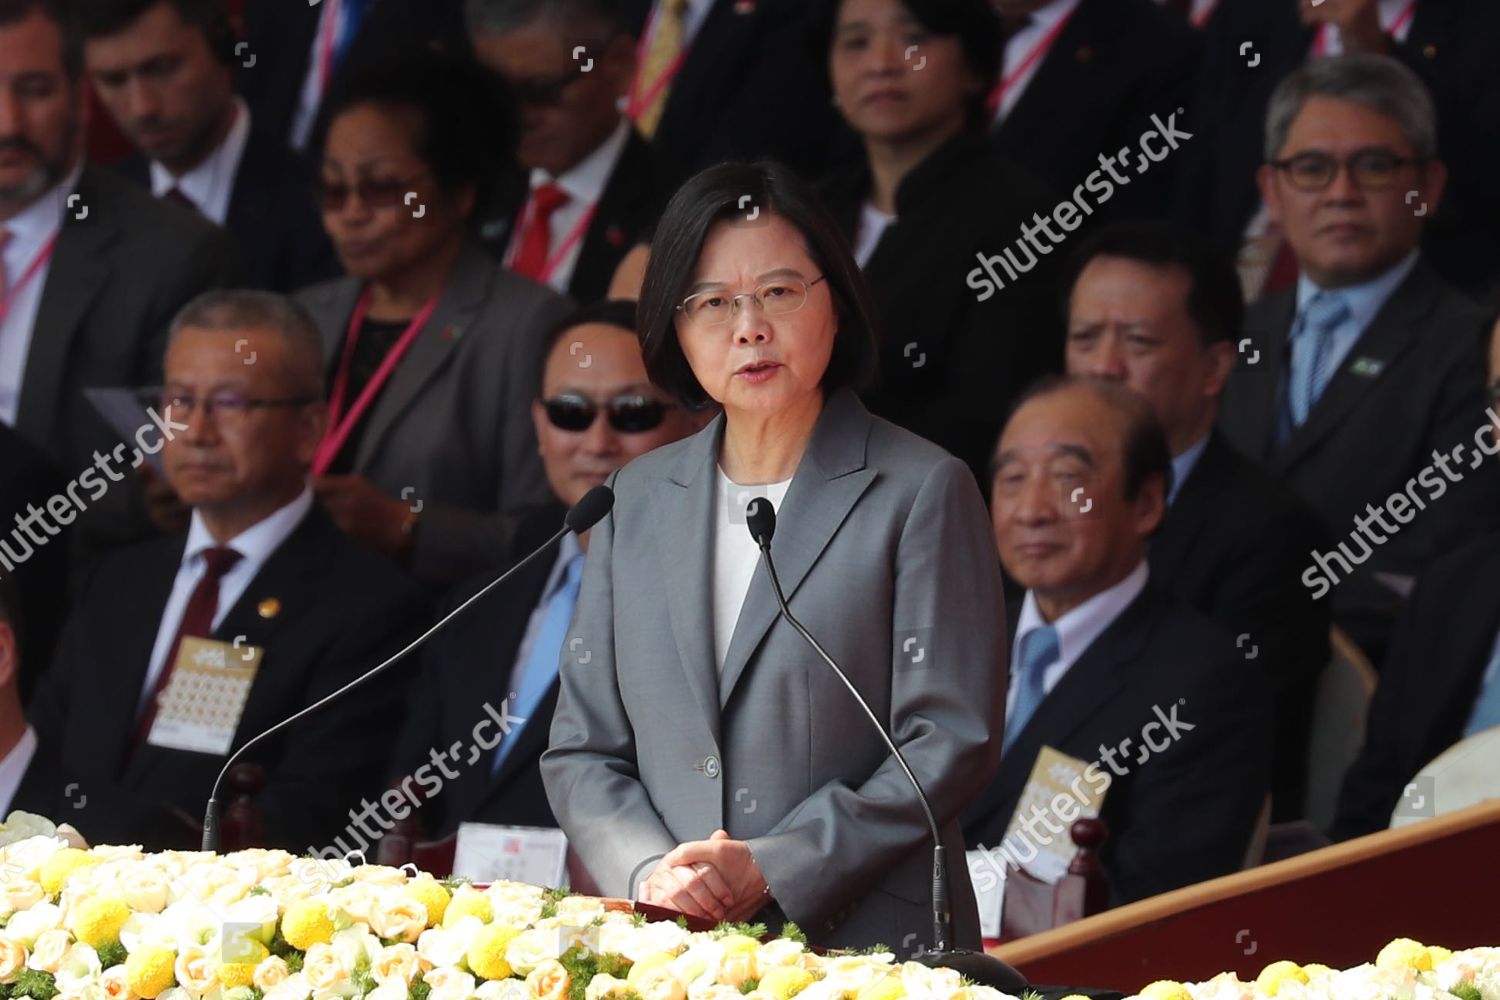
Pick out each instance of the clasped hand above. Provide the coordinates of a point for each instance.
(716, 879)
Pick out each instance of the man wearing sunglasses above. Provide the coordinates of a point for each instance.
(595, 410)
(1356, 382)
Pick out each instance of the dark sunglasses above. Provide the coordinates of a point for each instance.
(331, 195)
(632, 414)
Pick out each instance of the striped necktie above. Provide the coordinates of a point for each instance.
(1037, 650)
(666, 46)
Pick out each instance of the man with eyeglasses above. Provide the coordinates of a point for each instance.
(183, 648)
(1362, 386)
(595, 185)
(595, 410)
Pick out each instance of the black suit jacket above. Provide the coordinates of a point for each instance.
(1184, 813)
(40, 572)
(342, 609)
(750, 86)
(46, 790)
(1370, 433)
(1233, 546)
(638, 189)
(950, 364)
(463, 667)
(1116, 64)
(1450, 45)
(271, 215)
(1428, 684)
(124, 264)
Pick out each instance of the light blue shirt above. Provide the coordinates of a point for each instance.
(1364, 302)
(1182, 466)
(566, 550)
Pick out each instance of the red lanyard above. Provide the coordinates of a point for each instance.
(574, 235)
(997, 96)
(637, 103)
(1320, 43)
(37, 262)
(339, 424)
(1201, 18)
(325, 45)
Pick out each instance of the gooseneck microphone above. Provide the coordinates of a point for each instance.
(589, 511)
(760, 516)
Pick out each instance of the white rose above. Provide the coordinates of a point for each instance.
(12, 957)
(396, 963)
(580, 909)
(398, 917)
(532, 947)
(325, 968)
(660, 984)
(548, 981)
(21, 894)
(196, 967)
(517, 912)
(145, 890)
(784, 951)
(174, 993)
(47, 953)
(79, 967)
(448, 984)
(293, 987)
(269, 973)
(30, 854)
(379, 875)
(86, 991)
(114, 984)
(355, 900)
(712, 991)
(604, 985)
(391, 990)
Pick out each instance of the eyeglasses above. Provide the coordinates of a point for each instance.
(230, 406)
(372, 193)
(629, 414)
(775, 298)
(1370, 169)
(543, 92)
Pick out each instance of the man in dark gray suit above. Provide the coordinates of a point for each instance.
(1363, 386)
(93, 268)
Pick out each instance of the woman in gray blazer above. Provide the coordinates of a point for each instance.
(702, 756)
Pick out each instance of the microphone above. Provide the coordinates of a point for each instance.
(589, 511)
(987, 970)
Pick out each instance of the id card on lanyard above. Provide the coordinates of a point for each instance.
(1007, 83)
(564, 246)
(37, 263)
(638, 100)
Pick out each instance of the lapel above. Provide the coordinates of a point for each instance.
(616, 219)
(1189, 512)
(1258, 406)
(1057, 78)
(460, 302)
(250, 200)
(1392, 332)
(79, 269)
(130, 646)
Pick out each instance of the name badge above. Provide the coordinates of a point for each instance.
(1366, 367)
(201, 706)
(1061, 792)
(487, 852)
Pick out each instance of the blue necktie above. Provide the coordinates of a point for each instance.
(1038, 650)
(541, 664)
(1324, 313)
(1487, 706)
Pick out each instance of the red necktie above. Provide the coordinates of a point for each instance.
(197, 620)
(531, 258)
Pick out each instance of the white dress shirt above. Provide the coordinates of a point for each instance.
(735, 554)
(1387, 10)
(872, 225)
(30, 231)
(210, 184)
(1021, 44)
(255, 545)
(584, 182)
(13, 768)
(1077, 629)
(1182, 466)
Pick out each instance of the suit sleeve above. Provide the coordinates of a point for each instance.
(590, 768)
(946, 718)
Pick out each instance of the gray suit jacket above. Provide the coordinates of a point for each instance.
(452, 429)
(882, 538)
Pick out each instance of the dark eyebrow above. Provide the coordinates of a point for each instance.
(761, 279)
(1069, 450)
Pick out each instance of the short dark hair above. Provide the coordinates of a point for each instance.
(1215, 302)
(248, 308)
(1144, 452)
(719, 193)
(590, 20)
(60, 13)
(611, 312)
(973, 22)
(468, 133)
(101, 18)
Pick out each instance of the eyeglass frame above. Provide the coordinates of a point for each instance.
(243, 405)
(1346, 163)
(606, 409)
(734, 300)
(319, 187)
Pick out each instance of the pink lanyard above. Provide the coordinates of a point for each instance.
(637, 103)
(574, 235)
(997, 96)
(37, 262)
(339, 429)
(1201, 18)
(1320, 42)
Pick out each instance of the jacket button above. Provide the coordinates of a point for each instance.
(711, 766)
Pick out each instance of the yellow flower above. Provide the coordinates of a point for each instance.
(784, 982)
(1438, 954)
(732, 943)
(307, 922)
(467, 902)
(56, 869)
(148, 970)
(1404, 953)
(655, 960)
(487, 951)
(96, 920)
(1272, 976)
(430, 893)
(234, 974)
(1166, 989)
(884, 988)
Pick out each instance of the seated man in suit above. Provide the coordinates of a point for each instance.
(589, 422)
(1441, 681)
(596, 186)
(1108, 666)
(1361, 383)
(29, 778)
(263, 581)
(1153, 306)
(40, 569)
(94, 268)
(164, 70)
